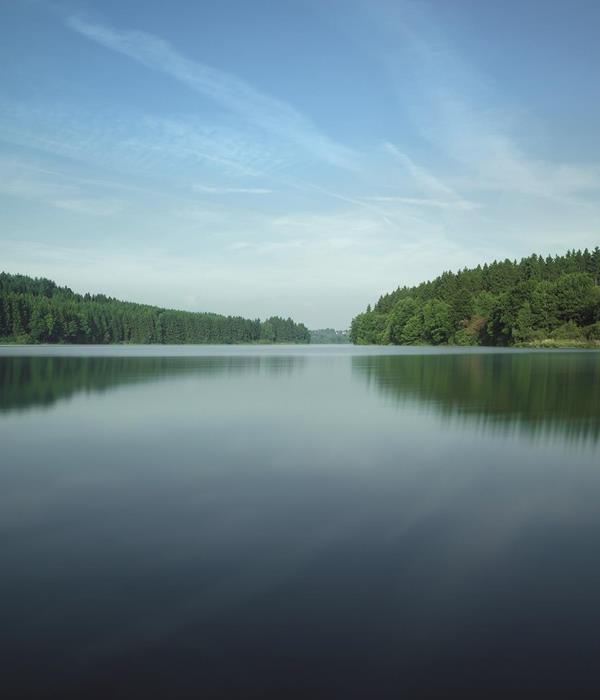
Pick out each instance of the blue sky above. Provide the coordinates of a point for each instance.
(296, 157)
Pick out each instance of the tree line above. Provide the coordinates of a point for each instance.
(329, 336)
(504, 303)
(36, 310)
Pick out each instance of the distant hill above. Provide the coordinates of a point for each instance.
(329, 336)
(36, 310)
(535, 301)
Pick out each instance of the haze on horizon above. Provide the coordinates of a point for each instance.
(294, 158)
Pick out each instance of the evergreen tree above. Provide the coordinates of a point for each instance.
(38, 311)
(501, 303)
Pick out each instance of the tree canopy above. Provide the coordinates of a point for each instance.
(504, 303)
(36, 310)
(329, 336)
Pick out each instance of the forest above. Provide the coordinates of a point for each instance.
(329, 336)
(36, 310)
(536, 301)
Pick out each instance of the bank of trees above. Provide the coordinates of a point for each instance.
(39, 311)
(504, 303)
(329, 336)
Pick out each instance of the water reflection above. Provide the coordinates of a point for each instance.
(537, 393)
(282, 524)
(29, 381)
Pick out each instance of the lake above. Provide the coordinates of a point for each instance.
(325, 521)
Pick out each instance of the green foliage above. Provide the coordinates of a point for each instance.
(463, 337)
(329, 336)
(412, 333)
(522, 330)
(437, 325)
(368, 328)
(503, 303)
(483, 303)
(402, 311)
(38, 311)
(568, 331)
(575, 298)
(593, 332)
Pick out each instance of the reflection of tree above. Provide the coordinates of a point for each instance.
(537, 392)
(39, 381)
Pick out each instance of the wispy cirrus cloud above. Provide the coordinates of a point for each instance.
(93, 206)
(494, 160)
(26, 181)
(459, 205)
(211, 189)
(435, 192)
(425, 181)
(141, 144)
(460, 113)
(233, 151)
(230, 92)
(489, 147)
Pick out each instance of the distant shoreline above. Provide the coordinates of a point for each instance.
(554, 343)
(11, 344)
(546, 344)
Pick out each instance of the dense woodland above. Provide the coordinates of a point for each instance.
(38, 311)
(505, 303)
(329, 336)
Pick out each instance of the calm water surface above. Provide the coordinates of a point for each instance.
(298, 522)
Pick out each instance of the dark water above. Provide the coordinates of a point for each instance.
(293, 522)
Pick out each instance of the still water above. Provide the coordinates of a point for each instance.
(204, 522)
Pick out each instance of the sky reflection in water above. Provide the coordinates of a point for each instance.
(238, 522)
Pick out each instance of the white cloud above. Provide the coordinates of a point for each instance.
(143, 144)
(229, 91)
(459, 204)
(425, 181)
(471, 127)
(267, 229)
(494, 161)
(24, 180)
(209, 189)
(319, 268)
(18, 180)
(90, 206)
